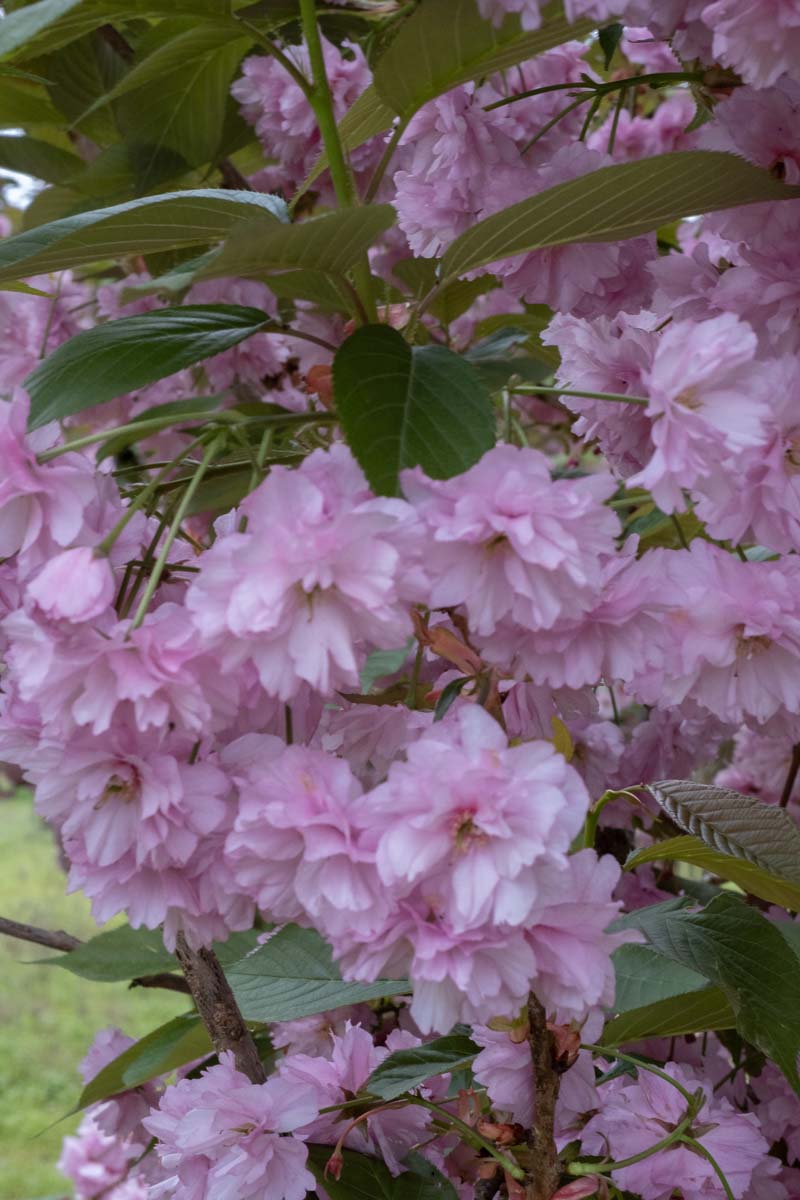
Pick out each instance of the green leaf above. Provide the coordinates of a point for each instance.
(744, 874)
(447, 42)
(366, 1178)
(534, 321)
(443, 43)
(609, 38)
(616, 202)
(449, 694)
(405, 1070)
(186, 110)
(331, 243)
(733, 824)
(39, 159)
(126, 953)
(26, 105)
(143, 226)
(747, 958)
(699, 1011)
(293, 975)
(644, 977)
(165, 1049)
(381, 663)
(503, 355)
(20, 26)
(404, 408)
(50, 24)
(121, 356)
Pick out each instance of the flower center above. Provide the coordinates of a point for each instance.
(117, 788)
(466, 833)
(751, 647)
(689, 399)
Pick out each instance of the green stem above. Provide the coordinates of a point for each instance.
(593, 815)
(469, 1135)
(142, 498)
(655, 80)
(180, 512)
(587, 1168)
(386, 158)
(276, 53)
(150, 425)
(321, 101)
(534, 389)
(537, 137)
(613, 1052)
(700, 1148)
(612, 137)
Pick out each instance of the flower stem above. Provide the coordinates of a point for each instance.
(613, 1052)
(470, 1135)
(321, 101)
(700, 1149)
(587, 1168)
(180, 512)
(535, 388)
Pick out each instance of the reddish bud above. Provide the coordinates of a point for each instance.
(581, 1189)
(334, 1165)
(566, 1045)
(501, 1133)
(319, 380)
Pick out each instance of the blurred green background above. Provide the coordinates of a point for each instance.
(48, 1017)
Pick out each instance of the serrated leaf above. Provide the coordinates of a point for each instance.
(744, 874)
(293, 975)
(331, 243)
(405, 1070)
(181, 1040)
(447, 42)
(501, 356)
(744, 955)
(733, 824)
(616, 202)
(121, 356)
(697, 1012)
(609, 38)
(404, 408)
(143, 226)
(644, 977)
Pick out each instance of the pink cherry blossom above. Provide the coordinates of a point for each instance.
(317, 577)
(220, 1136)
(759, 40)
(706, 394)
(76, 585)
(634, 1115)
(508, 542)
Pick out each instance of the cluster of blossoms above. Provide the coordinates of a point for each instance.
(194, 722)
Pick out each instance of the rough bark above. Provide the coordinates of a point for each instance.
(544, 1172)
(218, 1009)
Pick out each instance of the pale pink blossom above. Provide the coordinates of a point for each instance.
(497, 10)
(708, 401)
(38, 499)
(96, 1161)
(342, 1073)
(220, 1136)
(759, 40)
(635, 1114)
(510, 543)
(76, 585)
(317, 579)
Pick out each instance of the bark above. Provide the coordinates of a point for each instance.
(544, 1172)
(218, 1009)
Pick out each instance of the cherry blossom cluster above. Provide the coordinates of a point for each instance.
(199, 732)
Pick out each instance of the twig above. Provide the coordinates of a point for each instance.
(544, 1174)
(54, 939)
(218, 1009)
(57, 939)
(794, 767)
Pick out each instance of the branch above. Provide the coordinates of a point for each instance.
(55, 939)
(218, 1009)
(545, 1172)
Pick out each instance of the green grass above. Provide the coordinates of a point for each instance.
(48, 1016)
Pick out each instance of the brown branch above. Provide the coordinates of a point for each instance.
(794, 767)
(544, 1172)
(55, 939)
(170, 983)
(218, 1009)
